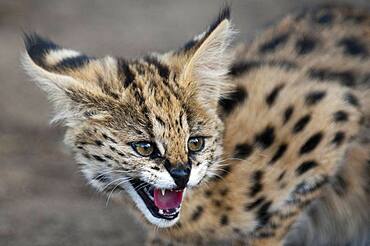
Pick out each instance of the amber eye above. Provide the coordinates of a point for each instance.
(196, 144)
(143, 148)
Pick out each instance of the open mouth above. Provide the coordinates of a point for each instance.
(162, 203)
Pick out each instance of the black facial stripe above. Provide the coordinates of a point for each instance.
(163, 69)
(125, 72)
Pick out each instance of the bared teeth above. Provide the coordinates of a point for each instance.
(163, 191)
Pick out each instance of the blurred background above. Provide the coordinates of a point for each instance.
(43, 198)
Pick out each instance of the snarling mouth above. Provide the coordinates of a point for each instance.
(162, 203)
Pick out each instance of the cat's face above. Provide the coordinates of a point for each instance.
(149, 126)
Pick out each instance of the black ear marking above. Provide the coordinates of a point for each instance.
(224, 14)
(37, 46)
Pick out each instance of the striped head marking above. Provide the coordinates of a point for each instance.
(147, 126)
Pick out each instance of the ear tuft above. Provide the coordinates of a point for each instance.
(194, 43)
(223, 15)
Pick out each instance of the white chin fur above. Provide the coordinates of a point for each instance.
(162, 223)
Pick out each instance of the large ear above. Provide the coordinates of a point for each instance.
(207, 60)
(72, 80)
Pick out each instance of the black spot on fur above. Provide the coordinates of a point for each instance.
(340, 116)
(275, 42)
(301, 123)
(255, 203)
(229, 102)
(353, 46)
(243, 151)
(242, 67)
(304, 187)
(266, 138)
(99, 143)
(345, 78)
(208, 193)
(305, 45)
(279, 153)
(340, 185)
(288, 114)
(256, 183)
(197, 213)
(314, 97)
(306, 166)
(338, 138)
(351, 99)
(223, 172)
(217, 203)
(98, 158)
(124, 72)
(263, 215)
(224, 191)
(324, 17)
(311, 143)
(224, 220)
(155, 168)
(160, 121)
(271, 97)
(108, 157)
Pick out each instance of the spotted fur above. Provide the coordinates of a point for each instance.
(286, 122)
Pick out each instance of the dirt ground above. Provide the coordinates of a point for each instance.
(43, 198)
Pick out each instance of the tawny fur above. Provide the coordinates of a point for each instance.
(286, 159)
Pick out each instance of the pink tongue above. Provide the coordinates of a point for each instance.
(171, 198)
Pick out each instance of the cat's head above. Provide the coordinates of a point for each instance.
(147, 126)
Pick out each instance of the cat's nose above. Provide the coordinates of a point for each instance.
(180, 174)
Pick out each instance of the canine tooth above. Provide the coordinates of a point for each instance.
(160, 211)
(163, 191)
